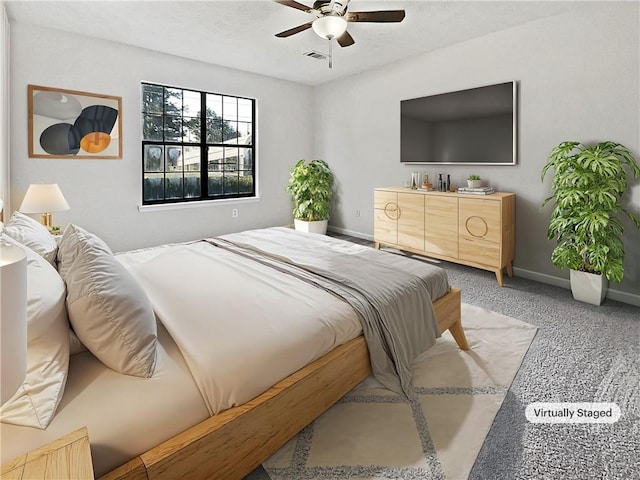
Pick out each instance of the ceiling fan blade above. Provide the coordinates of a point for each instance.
(345, 39)
(294, 4)
(293, 31)
(379, 16)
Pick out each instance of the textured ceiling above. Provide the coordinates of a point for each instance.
(240, 34)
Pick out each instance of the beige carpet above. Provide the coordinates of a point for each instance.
(373, 433)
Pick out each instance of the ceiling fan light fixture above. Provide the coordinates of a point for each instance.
(329, 26)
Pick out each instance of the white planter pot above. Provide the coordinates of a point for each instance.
(474, 183)
(588, 287)
(311, 227)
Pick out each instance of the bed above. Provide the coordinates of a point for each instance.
(228, 435)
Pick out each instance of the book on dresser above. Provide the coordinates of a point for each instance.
(476, 190)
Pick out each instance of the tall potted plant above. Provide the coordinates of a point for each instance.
(587, 185)
(310, 188)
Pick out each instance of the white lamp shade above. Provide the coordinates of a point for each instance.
(13, 319)
(41, 198)
(329, 26)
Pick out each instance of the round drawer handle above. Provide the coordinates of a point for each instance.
(392, 211)
(481, 225)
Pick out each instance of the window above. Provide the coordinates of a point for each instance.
(196, 145)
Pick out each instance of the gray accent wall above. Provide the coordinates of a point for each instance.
(578, 80)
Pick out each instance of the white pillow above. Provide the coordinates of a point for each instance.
(32, 234)
(36, 401)
(109, 311)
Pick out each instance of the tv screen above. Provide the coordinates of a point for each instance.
(468, 127)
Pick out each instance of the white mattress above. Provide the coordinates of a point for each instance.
(125, 415)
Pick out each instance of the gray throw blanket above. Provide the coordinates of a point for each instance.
(394, 307)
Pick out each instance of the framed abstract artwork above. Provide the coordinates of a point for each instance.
(72, 124)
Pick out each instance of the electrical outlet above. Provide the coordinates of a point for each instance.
(357, 213)
(234, 213)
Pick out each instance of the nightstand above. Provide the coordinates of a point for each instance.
(68, 457)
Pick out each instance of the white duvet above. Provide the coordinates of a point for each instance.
(240, 326)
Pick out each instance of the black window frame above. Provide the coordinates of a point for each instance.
(204, 146)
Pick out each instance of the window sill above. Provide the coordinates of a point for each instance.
(201, 204)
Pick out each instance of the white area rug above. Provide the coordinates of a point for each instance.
(373, 433)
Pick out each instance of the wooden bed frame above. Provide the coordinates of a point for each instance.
(233, 443)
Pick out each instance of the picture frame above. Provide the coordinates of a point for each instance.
(73, 124)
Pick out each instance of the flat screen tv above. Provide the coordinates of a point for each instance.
(477, 126)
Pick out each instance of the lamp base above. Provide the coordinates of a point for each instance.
(46, 220)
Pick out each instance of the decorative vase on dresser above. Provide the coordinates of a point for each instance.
(474, 230)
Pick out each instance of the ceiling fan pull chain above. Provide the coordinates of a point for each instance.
(330, 55)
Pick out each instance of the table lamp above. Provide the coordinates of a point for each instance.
(13, 319)
(44, 199)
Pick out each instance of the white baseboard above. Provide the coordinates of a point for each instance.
(344, 231)
(612, 293)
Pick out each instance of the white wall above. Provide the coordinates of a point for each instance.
(104, 195)
(578, 80)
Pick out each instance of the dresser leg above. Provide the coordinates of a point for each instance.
(499, 277)
(510, 269)
(376, 245)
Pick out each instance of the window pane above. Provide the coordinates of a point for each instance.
(245, 184)
(152, 127)
(215, 158)
(230, 108)
(192, 185)
(191, 159)
(230, 132)
(215, 184)
(244, 110)
(173, 185)
(214, 130)
(191, 129)
(244, 133)
(172, 101)
(173, 161)
(231, 158)
(230, 183)
(152, 188)
(214, 105)
(153, 158)
(152, 99)
(172, 129)
(191, 103)
(245, 159)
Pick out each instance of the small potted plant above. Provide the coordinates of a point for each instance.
(474, 181)
(310, 188)
(587, 185)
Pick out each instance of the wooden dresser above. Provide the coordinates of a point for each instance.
(474, 230)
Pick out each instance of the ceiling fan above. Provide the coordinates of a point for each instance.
(332, 18)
